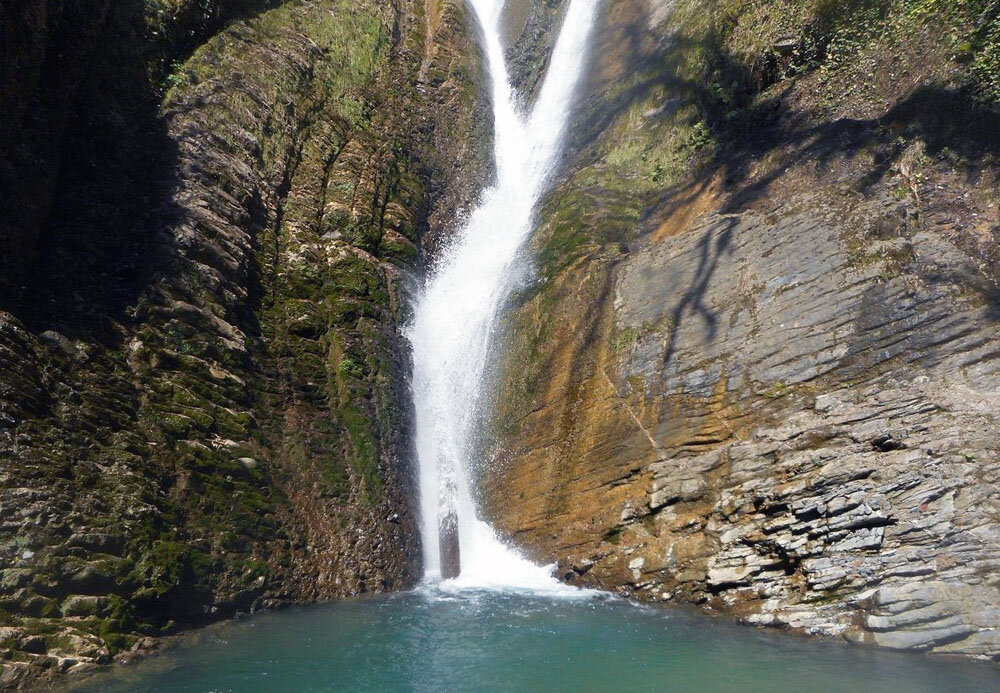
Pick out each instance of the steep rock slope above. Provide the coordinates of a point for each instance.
(759, 367)
(203, 405)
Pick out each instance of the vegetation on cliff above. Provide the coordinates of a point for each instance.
(724, 84)
(203, 406)
(738, 379)
(212, 212)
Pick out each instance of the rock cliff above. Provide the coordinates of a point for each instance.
(757, 370)
(758, 367)
(213, 217)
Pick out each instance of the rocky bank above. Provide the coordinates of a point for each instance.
(759, 367)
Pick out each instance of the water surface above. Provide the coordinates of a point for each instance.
(489, 641)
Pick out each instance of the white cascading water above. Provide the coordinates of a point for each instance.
(456, 314)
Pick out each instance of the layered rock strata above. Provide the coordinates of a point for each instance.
(218, 420)
(758, 370)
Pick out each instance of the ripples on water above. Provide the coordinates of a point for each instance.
(434, 640)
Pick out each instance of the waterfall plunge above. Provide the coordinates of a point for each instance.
(456, 314)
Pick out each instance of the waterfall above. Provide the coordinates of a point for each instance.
(456, 313)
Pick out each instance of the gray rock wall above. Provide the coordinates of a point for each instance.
(758, 368)
(870, 505)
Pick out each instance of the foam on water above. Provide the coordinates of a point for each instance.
(456, 314)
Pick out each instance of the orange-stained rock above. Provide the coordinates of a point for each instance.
(758, 369)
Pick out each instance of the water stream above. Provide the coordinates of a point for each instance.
(505, 624)
(456, 314)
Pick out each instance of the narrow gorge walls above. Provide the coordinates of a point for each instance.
(203, 396)
(758, 369)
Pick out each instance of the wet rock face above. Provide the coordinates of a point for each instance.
(451, 557)
(529, 37)
(235, 432)
(770, 386)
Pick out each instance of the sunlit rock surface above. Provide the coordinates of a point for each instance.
(758, 369)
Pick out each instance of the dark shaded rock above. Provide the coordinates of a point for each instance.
(451, 559)
(887, 443)
(207, 257)
(91, 580)
(33, 644)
